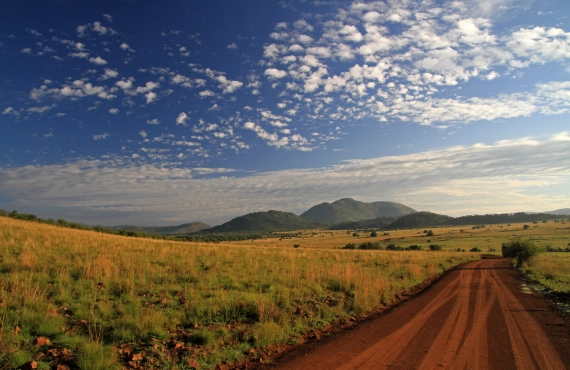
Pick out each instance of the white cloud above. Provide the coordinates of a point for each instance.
(40, 110)
(10, 110)
(143, 134)
(109, 73)
(114, 111)
(97, 27)
(206, 93)
(108, 17)
(99, 61)
(101, 137)
(150, 97)
(457, 180)
(81, 55)
(274, 73)
(182, 118)
(233, 46)
(153, 121)
(228, 86)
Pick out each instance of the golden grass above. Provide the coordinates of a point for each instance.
(90, 292)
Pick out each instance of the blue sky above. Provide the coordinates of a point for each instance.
(120, 112)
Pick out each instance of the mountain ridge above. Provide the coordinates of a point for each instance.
(349, 210)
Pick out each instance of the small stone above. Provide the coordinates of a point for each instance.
(42, 341)
(137, 357)
(193, 363)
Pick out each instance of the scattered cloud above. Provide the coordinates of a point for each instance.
(114, 111)
(457, 180)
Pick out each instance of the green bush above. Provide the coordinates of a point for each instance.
(349, 246)
(475, 249)
(369, 245)
(373, 234)
(434, 247)
(522, 250)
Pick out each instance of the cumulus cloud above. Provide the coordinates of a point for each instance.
(182, 118)
(109, 73)
(98, 60)
(274, 73)
(153, 121)
(479, 179)
(114, 111)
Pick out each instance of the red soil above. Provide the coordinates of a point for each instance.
(475, 317)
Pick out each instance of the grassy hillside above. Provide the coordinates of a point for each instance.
(419, 220)
(375, 223)
(98, 301)
(166, 230)
(264, 222)
(344, 210)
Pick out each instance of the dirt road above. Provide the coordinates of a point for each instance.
(476, 317)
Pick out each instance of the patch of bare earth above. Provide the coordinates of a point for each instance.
(475, 317)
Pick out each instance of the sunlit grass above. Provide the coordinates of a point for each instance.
(88, 292)
(552, 270)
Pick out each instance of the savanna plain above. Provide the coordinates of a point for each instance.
(81, 299)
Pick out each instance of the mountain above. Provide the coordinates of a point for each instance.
(562, 211)
(375, 223)
(347, 209)
(166, 230)
(420, 219)
(264, 222)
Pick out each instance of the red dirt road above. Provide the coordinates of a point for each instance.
(476, 317)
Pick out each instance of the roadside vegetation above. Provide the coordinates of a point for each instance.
(104, 301)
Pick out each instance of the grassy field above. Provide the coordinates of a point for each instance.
(105, 301)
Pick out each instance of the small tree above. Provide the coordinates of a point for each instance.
(522, 250)
(373, 234)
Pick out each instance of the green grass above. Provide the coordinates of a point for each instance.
(551, 269)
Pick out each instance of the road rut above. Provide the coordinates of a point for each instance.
(476, 317)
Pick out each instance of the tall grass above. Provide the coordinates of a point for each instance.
(551, 269)
(89, 292)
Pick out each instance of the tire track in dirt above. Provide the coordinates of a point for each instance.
(449, 326)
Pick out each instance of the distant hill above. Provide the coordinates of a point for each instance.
(264, 222)
(347, 209)
(166, 230)
(428, 219)
(375, 223)
(562, 211)
(420, 219)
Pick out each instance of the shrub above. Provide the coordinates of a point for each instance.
(522, 250)
(355, 235)
(415, 247)
(393, 247)
(369, 245)
(296, 245)
(475, 249)
(349, 246)
(434, 247)
(430, 233)
(373, 234)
